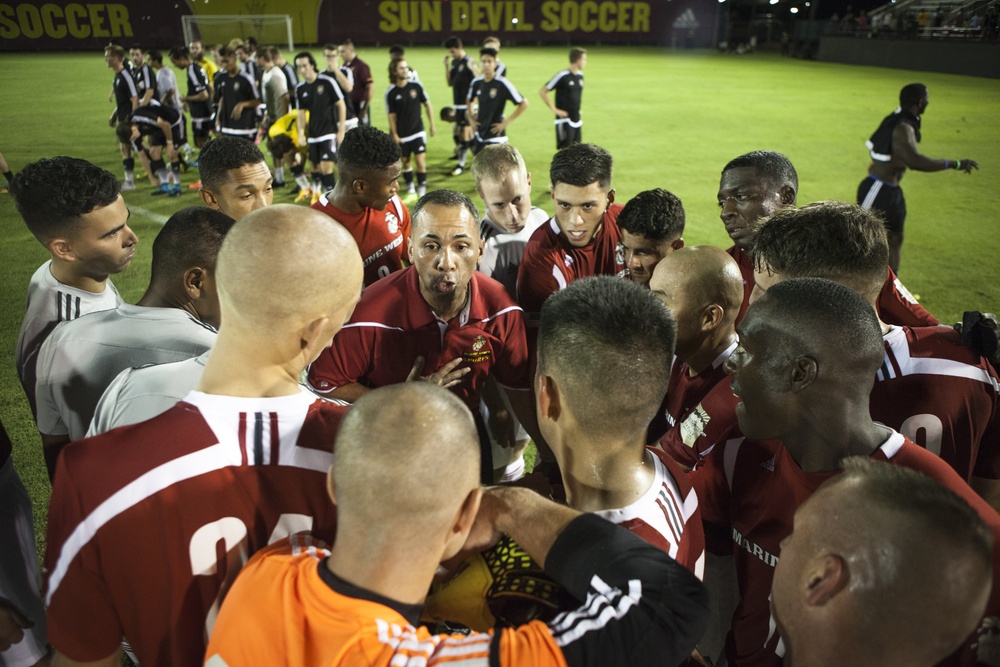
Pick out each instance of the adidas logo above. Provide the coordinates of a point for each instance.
(768, 464)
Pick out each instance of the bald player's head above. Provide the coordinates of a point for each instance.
(392, 446)
(886, 561)
(703, 288)
(285, 267)
(834, 240)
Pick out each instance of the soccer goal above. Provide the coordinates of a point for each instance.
(218, 29)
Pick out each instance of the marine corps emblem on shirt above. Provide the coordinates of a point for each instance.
(478, 353)
(493, 93)
(392, 222)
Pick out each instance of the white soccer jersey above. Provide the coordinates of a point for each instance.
(49, 303)
(80, 358)
(138, 394)
(502, 250)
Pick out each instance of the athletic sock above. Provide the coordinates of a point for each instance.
(279, 174)
(9, 175)
(421, 183)
(462, 152)
(299, 174)
(129, 165)
(175, 171)
(328, 180)
(159, 167)
(315, 180)
(408, 178)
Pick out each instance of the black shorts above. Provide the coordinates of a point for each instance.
(413, 147)
(885, 199)
(461, 120)
(201, 127)
(567, 135)
(323, 151)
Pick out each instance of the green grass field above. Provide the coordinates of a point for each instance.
(671, 120)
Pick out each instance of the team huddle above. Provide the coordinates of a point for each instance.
(296, 445)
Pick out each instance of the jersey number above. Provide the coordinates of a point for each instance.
(383, 271)
(932, 428)
(231, 532)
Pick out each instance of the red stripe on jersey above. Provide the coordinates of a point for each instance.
(670, 519)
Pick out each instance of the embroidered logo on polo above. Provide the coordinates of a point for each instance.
(392, 222)
(693, 427)
(477, 354)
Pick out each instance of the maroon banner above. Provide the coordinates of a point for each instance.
(59, 24)
(679, 22)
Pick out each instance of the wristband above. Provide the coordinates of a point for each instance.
(958, 164)
(947, 164)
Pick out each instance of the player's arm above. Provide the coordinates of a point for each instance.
(341, 120)
(345, 84)
(300, 122)
(904, 144)
(447, 70)
(522, 106)
(544, 93)
(13, 623)
(430, 117)
(349, 392)
(392, 127)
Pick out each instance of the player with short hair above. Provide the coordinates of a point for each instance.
(236, 98)
(344, 76)
(604, 327)
(804, 408)
(491, 93)
(274, 87)
(893, 149)
(492, 42)
(240, 463)
(403, 101)
(364, 85)
(568, 85)
(754, 186)
(74, 209)
(930, 387)
(164, 125)
(364, 200)
(439, 321)
(126, 95)
(322, 98)
(397, 51)
(872, 542)
(299, 604)
(652, 225)
(198, 99)
(290, 74)
(145, 80)
(582, 238)
(175, 319)
(196, 49)
(703, 288)
(234, 177)
(459, 71)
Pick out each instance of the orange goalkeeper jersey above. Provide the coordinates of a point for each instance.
(642, 609)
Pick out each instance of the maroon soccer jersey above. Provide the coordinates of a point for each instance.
(393, 325)
(667, 515)
(150, 523)
(383, 237)
(895, 303)
(550, 263)
(942, 396)
(698, 412)
(754, 488)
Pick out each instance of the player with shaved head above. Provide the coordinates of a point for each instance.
(703, 288)
(803, 371)
(438, 320)
(859, 580)
(930, 387)
(359, 603)
(146, 550)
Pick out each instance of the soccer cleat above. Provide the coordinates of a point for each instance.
(411, 190)
(296, 190)
(458, 171)
(315, 197)
(175, 191)
(195, 185)
(164, 189)
(127, 186)
(303, 195)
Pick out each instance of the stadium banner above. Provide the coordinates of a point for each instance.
(64, 25)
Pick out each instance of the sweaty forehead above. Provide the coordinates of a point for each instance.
(246, 175)
(444, 222)
(744, 178)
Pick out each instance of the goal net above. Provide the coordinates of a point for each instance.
(265, 28)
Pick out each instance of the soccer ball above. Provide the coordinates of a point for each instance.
(499, 587)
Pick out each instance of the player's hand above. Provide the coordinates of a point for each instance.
(111, 122)
(447, 376)
(497, 128)
(447, 61)
(502, 428)
(985, 341)
(301, 140)
(967, 165)
(237, 111)
(395, 137)
(433, 130)
(561, 114)
(12, 624)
